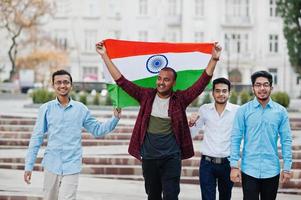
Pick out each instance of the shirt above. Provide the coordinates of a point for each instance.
(178, 102)
(260, 129)
(63, 128)
(217, 129)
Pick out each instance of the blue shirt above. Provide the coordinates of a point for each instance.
(260, 129)
(63, 128)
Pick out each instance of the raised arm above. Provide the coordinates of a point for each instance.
(216, 52)
(101, 50)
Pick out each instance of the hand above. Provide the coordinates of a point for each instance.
(117, 112)
(216, 51)
(27, 176)
(100, 48)
(285, 177)
(192, 119)
(235, 175)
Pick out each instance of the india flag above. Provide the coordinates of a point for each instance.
(140, 62)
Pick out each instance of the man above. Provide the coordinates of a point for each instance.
(217, 119)
(259, 123)
(161, 134)
(61, 121)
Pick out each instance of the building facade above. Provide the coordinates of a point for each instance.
(250, 32)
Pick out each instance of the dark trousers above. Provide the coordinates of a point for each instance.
(162, 175)
(266, 188)
(209, 175)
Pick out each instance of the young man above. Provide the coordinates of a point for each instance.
(161, 134)
(259, 123)
(61, 121)
(217, 119)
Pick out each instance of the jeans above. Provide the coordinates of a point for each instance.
(210, 174)
(162, 176)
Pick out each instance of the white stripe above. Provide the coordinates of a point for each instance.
(134, 67)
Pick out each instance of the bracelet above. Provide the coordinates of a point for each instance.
(286, 171)
(216, 59)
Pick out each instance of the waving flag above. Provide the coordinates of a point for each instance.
(140, 62)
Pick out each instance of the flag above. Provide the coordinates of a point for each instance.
(140, 62)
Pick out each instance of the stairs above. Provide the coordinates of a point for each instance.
(15, 133)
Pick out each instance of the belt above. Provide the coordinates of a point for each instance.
(215, 160)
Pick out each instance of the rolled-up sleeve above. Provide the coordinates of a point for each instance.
(98, 129)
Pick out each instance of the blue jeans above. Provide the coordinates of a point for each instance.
(162, 176)
(209, 175)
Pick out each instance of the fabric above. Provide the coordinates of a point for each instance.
(217, 129)
(260, 129)
(160, 107)
(140, 63)
(63, 128)
(265, 188)
(162, 176)
(179, 100)
(212, 175)
(158, 146)
(60, 187)
(159, 125)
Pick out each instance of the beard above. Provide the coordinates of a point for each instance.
(222, 102)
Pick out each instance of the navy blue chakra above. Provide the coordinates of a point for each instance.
(155, 63)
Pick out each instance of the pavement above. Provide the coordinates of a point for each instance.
(90, 187)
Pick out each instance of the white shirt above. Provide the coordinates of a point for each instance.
(217, 129)
(160, 107)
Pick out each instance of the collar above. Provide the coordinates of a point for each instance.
(256, 103)
(70, 103)
(228, 106)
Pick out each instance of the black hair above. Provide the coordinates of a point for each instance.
(61, 72)
(222, 80)
(264, 74)
(172, 70)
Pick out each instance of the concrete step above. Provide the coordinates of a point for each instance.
(86, 142)
(111, 136)
(29, 128)
(126, 119)
(125, 171)
(127, 160)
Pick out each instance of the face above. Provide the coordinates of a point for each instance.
(221, 93)
(262, 89)
(165, 82)
(62, 85)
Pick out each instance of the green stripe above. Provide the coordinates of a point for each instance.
(121, 99)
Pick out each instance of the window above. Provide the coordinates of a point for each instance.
(116, 34)
(143, 8)
(90, 40)
(298, 80)
(199, 8)
(273, 43)
(60, 38)
(173, 36)
(198, 37)
(114, 8)
(62, 8)
(237, 42)
(274, 72)
(173, 7)
(143, 36)
(91, 8)
(90, 74)
(237, 10)
(273, 8)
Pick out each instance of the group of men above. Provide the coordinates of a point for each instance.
(161, 137)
